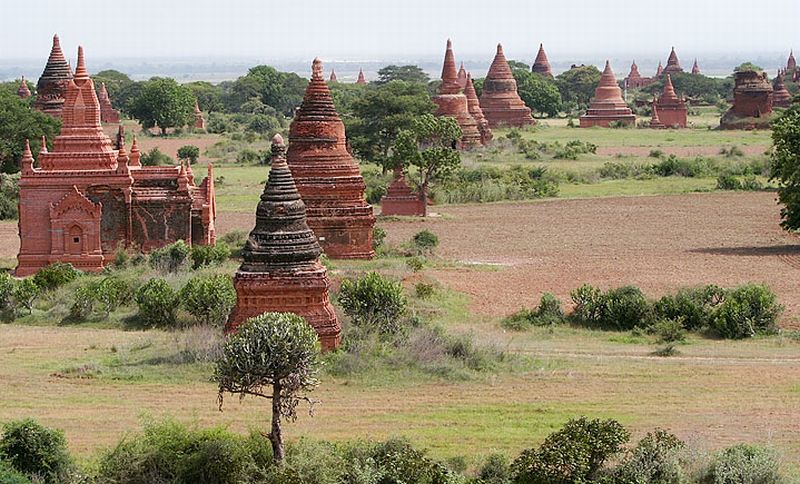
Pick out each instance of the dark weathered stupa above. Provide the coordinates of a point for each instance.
(752, 102)
(659, 69)
(280, 270)
(695, 68)
(361, 79)
(453, 103)
(780, 95)
(541, 65)
(327, 177)
(462, 76)
(333, 77)
(500, 101)
(607, 105)
(52, 86)
(474, 105)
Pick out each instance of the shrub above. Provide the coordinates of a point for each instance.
(729, 181)
(155, 157)
(548, 313)
(654, 460)
(424, 290)
(416, 264)
(189, 153)
(743, 463)
(374, 302)
(7, 284)
(25, 292)
(576, 453)
(109, 292)
(669, 330)
(400, 462)
(36, 450)
(693, 306)
(121, 258)
(235, 241)
(588, 301)
(83, 303)
(209, 299)
(746, 311)
(625, 308)
(9, 196)
(9, 475)
(378, 237)
(731, 152)
(249, 157)
(157, 303)
(425, 241)
(170, 258)
(206, 255)
(55, 275)
(495, 470)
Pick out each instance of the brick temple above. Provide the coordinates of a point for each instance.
(752, 102)
(400, 199)
(781, 97)
(450, 101)
(86, 198)
(199, 120)
(280, 270)
(500, 100)
(635, 80)
(607, 105)
(52, 86)
(672, 110)
(542, 65)
(327, 176)
(673, 64)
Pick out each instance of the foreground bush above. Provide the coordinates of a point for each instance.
(654, 460)
(170, 258)
(623, 308)
(36, 451)
(693, 306)
(55, 275)
(374, 301)
(158, 303)
(747, 311)
(209, 299)
(743, 464)
(206, 255)
(548, 313)
(9, 475)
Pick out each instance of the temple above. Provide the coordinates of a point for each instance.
(400, 199)
(659, 70)
(87, 199)
(752, 102)
(199, 120)
(333, 77)
(52, 86)
(474, 106)
(780, 95)
(327, 176)
(462, 77)
(361, 79)
(672, 110)
(635, 80)
(499, 100)
(655, 121)
(607, 105)
(280, 270)
(673, 65)
(23, 92)
(541, 65)
(695, 68)
(453, 103)
(107, 112)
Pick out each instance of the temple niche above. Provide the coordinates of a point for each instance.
(86, 198)
(499, 99)
(107, 112)
(453, 103)
(280, 270)
(52, 86)
(672, 110)
(327, 176)
(752, 102)
(607, 106)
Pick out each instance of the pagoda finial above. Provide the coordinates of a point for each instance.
(500, 49)
(316, 68)
(26, 163)
(135, 154)
(80, 68)
(43, 149)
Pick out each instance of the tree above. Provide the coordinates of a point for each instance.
(189, 153)
(695, 86)
(407, 73)
(117, 84)
(18, 122)
(208, 96)
(786, 165)
(164, 103)
(537, 92)
(273, 356)
(517, 65)
(747, 66)
(282, 90)
(430, 146)
(577, 85)
(379, 116)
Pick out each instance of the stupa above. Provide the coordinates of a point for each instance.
(635, 79)
(541, 65)
(462, 77)
(752, 102)
(607, 105)
(280, 270)
(791, 63)
(695, 68)
(453, 103)
(333, 77)
(86, 199)
(401, 200)
(361, 79)
(499, 100)
(52, 85)
(23, 92)
(199, 120)
(671, 109)
(474, 106)
(659, 70)
(655, 121)
(107, 112)
(780, 95)
(327, 176)
(673, 65)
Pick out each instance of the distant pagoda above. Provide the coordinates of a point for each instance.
(462, 77)
(695, 68)
(23, 92)
(280, 270)
(453, 103)
(673, 65)
(500, 100)
(672, 110)
(474, 105)
(107, 112)
(541, 65)
(333, 77)
(655, 121)
(607, 105)
(780, 95)
(361, 79)
(52, 86)
(199, 120)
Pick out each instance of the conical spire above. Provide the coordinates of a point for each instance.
(449, 73)
(26, 162)
(462, 76)
(673, 65)
(655, 122)
(780, 95)
(669, 91)
(607, 105)
(500, 101)
(474, 106)
(135, 158)
(333, 77)
(23, 92)
(634, 73)
(659, 70)
(80, 68)
(43, 148)
(361, 79)
(695, 67)
(499, 68)
(791, 63)
(541, 65)
(52, 85)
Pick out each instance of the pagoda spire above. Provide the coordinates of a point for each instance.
(449, 74)
(80, 68)
(26, 163)
(23, 92)
(361, 79)
(542, 65)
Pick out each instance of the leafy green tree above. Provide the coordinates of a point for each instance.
(537, 92)
(189, 153)
(577, 85)
(407, 73)
(116, 83)
(209, 298)
(696, 86)
(429, 146)
(18, 122)
(25, 293)
(273, 356)
(374, 302)
(517, 65)
(748, 66)
(208, 96)
(281, 90)
(36, 450)
(785, 166)
(9, 196)
(163, 102)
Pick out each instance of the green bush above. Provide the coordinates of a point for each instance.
(82, 304)
(374, 302)
(743, 464)
(209, 299)
(55, 275)
(746, 311)
(170, 258)
(424, 242)
(669, 330)
(155, 157)
(9, 475)
(378, 237)
(548, 313)
(110, 292)
(235, 241)
(7, 284)
(9, 196)
(158, 303)
(189, 153)
(654, 460)
(693, 306)
(495, 470)
(623, 308)
(576, 453)
(206, 255)
(36, 451)
(416, 263)
(424, 290)
(25, 293)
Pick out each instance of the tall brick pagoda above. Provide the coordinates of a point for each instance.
(659, 70)
(280, 270)
(791, 62)
(672, 110)
(23, 92)
(607, 105)
(500, 101)
(780, 95)
(327, 176)
(673, 65)
(52, 86)
(86, 199)
(462, 77)
(695, 67)
(199, 120)
(453, 103)
(361, 79)
(541, 65)
(474, 105)
(333, 77)
(107, 112)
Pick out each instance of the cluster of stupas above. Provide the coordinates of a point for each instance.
(87, 198)
(452, 102)
(634, 79)
(669, 111)
(607, 105)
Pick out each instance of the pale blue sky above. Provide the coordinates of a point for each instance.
(399, 29)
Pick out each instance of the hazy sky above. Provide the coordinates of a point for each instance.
(397, 29)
